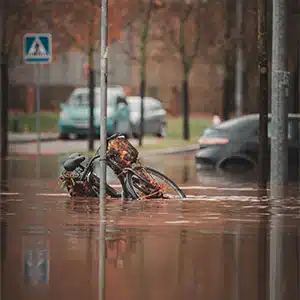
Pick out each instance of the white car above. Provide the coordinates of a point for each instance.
(154, 116)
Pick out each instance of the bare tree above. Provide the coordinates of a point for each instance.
(182, 25)
(78, 22)
(139, 21)
(15, 17)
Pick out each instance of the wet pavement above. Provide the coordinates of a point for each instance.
(225, 241)
(55, 146)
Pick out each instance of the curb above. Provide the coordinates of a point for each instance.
(33, 140)
(171, 151)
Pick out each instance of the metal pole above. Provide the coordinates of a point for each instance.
(103, 140)
(280, 86)
(103, 86)
(239, 61)
(37, 119)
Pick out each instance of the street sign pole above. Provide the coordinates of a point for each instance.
(37, 49)
(103, 141)
(38, 117)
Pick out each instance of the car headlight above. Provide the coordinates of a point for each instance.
(62, 115)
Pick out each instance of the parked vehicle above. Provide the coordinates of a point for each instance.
(154, 116)
(75, 113)
(235, 143)
(137, 180)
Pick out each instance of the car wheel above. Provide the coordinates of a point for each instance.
(63, 136)
(162, 130)
(237, 164)
(82, 136)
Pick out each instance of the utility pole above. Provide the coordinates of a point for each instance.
(239, 64)
(295, 106)
(279, 167)
(280, 88)
(103, 141)
(263, 95)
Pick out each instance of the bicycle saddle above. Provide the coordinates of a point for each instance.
(73, 162)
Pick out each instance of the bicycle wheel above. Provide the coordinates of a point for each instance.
(94, 180)
(144, 182)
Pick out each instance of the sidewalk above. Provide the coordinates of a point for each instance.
(22, 138)
(26, 144)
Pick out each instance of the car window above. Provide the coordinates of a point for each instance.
(154, 104)
(135, 103)
(233, 123)
(82, 98)
(158, 105)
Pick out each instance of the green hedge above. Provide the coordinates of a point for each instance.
(27, 122)
(49, 123)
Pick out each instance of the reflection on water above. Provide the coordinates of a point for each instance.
(35, 260)
(229, 242)
(3, 174)
(154, 249)
(181, 169)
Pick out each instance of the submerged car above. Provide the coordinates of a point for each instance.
(75, 113)
(235, 143)
(154, 116)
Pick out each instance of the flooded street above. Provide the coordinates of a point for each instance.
(225, 241)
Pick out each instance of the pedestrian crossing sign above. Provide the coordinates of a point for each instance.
(37, 48)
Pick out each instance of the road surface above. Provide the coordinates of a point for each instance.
(60, 146)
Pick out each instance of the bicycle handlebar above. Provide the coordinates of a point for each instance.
(113, 136)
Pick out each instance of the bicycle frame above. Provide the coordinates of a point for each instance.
(119, 171)
(90, 166)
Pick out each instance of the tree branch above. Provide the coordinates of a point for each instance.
(172, 37)
(198, 33)
(144, 36)
(130, 54)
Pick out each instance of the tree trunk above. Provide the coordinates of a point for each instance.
(185, 107)
(4, 108)
(295, 105)
(142, 95)
(228, 81)
(91, 102)
(263, 95)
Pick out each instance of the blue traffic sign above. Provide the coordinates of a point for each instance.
(37, 48)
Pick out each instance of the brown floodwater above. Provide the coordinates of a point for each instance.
(226, 241)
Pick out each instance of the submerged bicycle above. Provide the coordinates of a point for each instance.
(136, 180)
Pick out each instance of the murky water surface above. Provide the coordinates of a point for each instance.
(226, 241)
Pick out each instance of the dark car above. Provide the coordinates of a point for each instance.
(236, 142)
